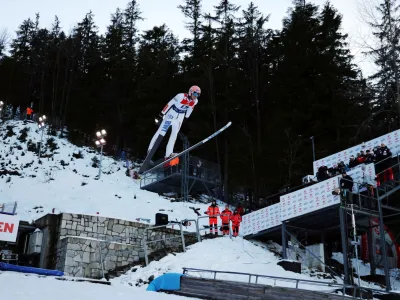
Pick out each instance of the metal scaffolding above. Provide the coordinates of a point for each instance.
(185, 169)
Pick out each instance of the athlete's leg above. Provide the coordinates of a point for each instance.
(176, 125)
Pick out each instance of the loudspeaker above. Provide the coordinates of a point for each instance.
(161, 219)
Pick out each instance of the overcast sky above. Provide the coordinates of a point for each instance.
(158, 12)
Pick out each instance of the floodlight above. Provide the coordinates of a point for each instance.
(103, 132)
(103, 141)
(97, 143)
(98, 134)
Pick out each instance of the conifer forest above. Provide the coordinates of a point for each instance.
(278, 87)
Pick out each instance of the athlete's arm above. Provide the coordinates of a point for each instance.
(190, 109)
(173, 101)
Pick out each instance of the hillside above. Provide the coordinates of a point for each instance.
(66, 183)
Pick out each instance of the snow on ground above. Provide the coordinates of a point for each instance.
(365, 269)
(17, 286)
(68, 184)
(223, 254)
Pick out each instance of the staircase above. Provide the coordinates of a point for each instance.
(221, 290)
(153, 256)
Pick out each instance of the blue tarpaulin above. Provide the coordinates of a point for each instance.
(23, 269)
(166, 282)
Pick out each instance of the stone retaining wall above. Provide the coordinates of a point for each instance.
(83, 238)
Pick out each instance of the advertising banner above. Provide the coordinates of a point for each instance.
(8, 227)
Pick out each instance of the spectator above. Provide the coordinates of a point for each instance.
(360, 158)
(346, 187)
(240, 209)
(213, 212)
(225, 217)
(385, 172)
(29, 112)
(352, 162)
(322, 173)
(342, 167)
(236, 219)
(369, 157)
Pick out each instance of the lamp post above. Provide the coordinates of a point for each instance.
(313, 147)
(100, 142)
(41, 125)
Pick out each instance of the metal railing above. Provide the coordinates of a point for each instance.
(198, 229)
(8, 208)
(276, 279)
(200, 173)
(146, 242)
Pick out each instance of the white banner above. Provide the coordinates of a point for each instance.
(319, 195)
(8, 227)
(301, 202)
(391, 140)
(261, 219)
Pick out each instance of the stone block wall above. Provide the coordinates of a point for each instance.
(85, 241)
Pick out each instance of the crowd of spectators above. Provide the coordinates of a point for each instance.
(380, 156)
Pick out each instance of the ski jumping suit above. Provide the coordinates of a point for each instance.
(213, 211)
(236, 219)
(225, 217)
(173, 114)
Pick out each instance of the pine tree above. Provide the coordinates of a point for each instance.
(386, 58)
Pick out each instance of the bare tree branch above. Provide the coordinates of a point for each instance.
(4, 40)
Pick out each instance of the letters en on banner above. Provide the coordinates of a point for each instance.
(9, 225)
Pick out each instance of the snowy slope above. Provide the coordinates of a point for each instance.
(223, 254)
(17, 286)
(68, 184)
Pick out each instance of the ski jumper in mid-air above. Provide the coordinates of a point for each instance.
(173, 114)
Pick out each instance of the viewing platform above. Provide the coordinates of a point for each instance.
(202, 177)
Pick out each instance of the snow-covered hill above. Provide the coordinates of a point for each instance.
(223, 254)
(68, 184)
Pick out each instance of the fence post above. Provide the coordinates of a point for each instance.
(183, 238)
(198, 230)
(145, 247)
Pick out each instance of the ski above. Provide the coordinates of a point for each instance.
(190, 148)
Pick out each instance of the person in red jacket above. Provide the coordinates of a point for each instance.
(236, 219)
(240, 210)
(225, 217)
(213, 212)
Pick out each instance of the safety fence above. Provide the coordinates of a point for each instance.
(282, 281)
(146, 242)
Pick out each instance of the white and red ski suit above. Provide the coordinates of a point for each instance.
(173, 114)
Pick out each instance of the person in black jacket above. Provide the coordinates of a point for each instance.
(346, 187)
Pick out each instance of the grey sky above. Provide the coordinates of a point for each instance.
(157, 12)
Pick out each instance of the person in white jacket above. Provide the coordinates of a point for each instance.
(174, 112)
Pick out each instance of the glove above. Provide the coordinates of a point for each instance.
(161, 116)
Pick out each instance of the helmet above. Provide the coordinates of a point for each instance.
(195, 91)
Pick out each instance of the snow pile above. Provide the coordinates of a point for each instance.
(65, 180)
(16, 286)
(222, 254)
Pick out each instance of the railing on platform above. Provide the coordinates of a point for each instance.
(198, 229)
(276, 279)
(146, 242)
(8, 208)
(206, 174)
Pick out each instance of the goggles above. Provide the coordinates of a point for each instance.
(196, 94)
